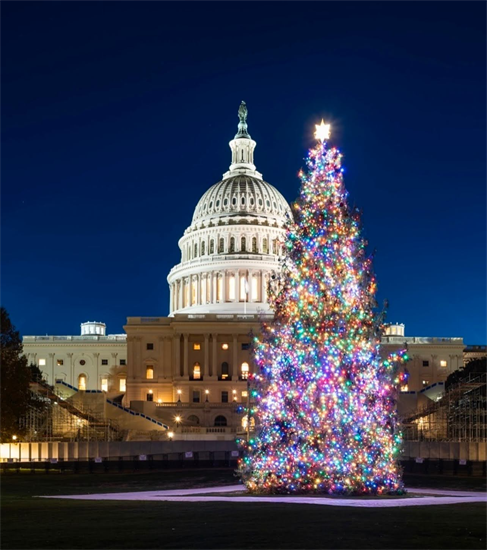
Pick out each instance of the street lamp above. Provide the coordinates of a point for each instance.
(207, 392)
(170, 435)
(14, 437)
(179, 396)
(177, 419)
(234, 395)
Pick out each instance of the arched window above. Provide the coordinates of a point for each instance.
(149, 372)
(104, 383)
(232, 244)
(122, 384)
(220, 420)
(195, 250)
(193, 419)
(203, 248)
(212, 246)
(221, 246)
(82, 382)
(244, 371)
(243, 244)
(254, 244)
(196, 371)
(274, 246)
(265, 248)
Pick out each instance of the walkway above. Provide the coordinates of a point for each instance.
(416, 497)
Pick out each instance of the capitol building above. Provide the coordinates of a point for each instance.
(185, 374)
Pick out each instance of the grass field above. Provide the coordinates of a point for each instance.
(28, 522)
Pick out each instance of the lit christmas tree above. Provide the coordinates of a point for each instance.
(324, 400)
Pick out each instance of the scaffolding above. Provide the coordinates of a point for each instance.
(59, 419)
(459, 415)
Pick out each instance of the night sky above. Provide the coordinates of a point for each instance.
(116, 118)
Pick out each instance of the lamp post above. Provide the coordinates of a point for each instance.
(206, 393)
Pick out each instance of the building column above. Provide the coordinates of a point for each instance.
(250, 297)
(180, 294)
(185, 355)
(224, 286)
(206, 364)
(198, 289)
(71, 369)
(237, 286)
(214, 369)
(263, 287)
(234, 371)
(171, 298)
(96, 356)
(51, 357)
(177, 354)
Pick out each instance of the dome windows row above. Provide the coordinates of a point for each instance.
(251, 202)
(233, 245)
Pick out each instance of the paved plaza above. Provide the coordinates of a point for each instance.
(415, 497)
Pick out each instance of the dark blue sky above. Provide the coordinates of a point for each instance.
(117, 117)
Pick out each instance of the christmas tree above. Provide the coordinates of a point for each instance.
(323, 399)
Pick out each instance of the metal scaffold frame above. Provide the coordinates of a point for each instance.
(459, 415)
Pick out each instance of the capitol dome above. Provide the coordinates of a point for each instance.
(234, 242)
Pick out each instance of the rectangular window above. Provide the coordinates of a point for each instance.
(42, 362)
(122, 384)
(150, 396)
(426, 363)
(149, 372)
(245, 394)
(196, 396)
(443, 364)
(245, 346)
(104, 384)
(150, 346)
(104, 361)
(224, 397)
(60, 362)
(196, 372)
(196, 347)
(123, 361)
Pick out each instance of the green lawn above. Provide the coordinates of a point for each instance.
(29, 522)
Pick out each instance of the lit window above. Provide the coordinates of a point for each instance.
(42, 362)
(104, 361)
(245, 420)
(219, 288)
(196, 371)
(443, 363)
(225, 369)
(425, 382)
(426, 363)
(225, 346)
(104, 384)
(123, 361)
(150, 346)
(220, 420)
(82, 382)
(197, 347)
(60, 362)
(265, 248)
(224, 397)
(245, 371)
(243, 288)
(149, 372)
(405, 388)
(122, 386)
(231, 288)
(245, 394)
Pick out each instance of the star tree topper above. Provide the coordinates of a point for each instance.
(322, 132)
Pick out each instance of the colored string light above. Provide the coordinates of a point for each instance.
(324, 402)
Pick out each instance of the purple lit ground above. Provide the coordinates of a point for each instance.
(417, 497)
